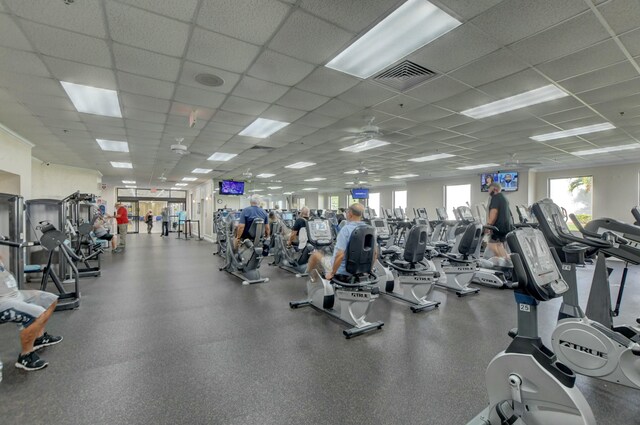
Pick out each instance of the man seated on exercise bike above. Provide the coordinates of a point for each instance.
(300, 223)
(30, 310)
(103, 233)
(335, 266)
(247, 216)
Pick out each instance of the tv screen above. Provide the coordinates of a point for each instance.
(507, 179)
(360, 193)
(230, 187)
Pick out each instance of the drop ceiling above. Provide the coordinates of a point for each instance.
(271, 56)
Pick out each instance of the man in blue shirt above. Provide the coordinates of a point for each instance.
(336, 265)
(247, 216)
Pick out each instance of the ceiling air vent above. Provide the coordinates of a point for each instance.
(266, 148)
(404, 75)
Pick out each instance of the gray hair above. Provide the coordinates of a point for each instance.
(304, 211)
(496, 185)
(254, 199)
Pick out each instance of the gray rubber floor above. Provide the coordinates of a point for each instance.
(163, 337)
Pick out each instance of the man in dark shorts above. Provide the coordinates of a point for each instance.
(300, 223)
(499, 217)
(30, 310)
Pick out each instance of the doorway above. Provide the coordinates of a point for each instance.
(156, 209)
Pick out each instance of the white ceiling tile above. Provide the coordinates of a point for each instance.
(22, 62)
(338, 109)
(426, 113)
(513, 20)
(631, 41)
(68, 45)
(31, 84)
(60, 114)
(140, 115)
(244, 106)
(514, 84)
(190, 70)
(437, 89)
(350, 15)
(145, 86)
(11, 35)
(79, 73)
(222, 128)
(327, 82)
(142, 125)
(621, 15)
(146, 30)
(254, 21)
(399, 105)
(252, 88)
(280, 113)
(489, 68)
(84, 17)
(280, 69)
(149, 64)
(221, 51)
(56, 123)
(569, 115)
(316, 120)
(183, 9)
(611, 92)
(569, 37)
(299, 99)
(467, 9)
(466, 100)
(610, 75)
(146, 103)
(193, 96)
(366, 94)
(466, 41)
(308, 38)
(592, 58)
(233, 118)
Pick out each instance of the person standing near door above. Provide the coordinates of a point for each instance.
(122, 218)
(149, 220)
(165, 222)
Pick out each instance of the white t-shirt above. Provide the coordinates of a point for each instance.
(8, 284)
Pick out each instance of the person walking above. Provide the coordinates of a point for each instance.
(149, 220)
(165, 222)
(122, 218)
(499, 217)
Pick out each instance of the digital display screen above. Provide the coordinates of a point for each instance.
(360, 193)
(230, 187)
(507, 179)
(378, 223)
(287, 216)
(237, 215)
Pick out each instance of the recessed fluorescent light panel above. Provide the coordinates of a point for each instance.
(92, 100)
(113, 146)
(274, 187)
(607, 150)
(477, 166)
(265, 175)
(349, 183)
(408, 28)
(404, 176)
(257, 190)
(121, 164)
(221, 156)
(300, 165)
(352, 172)
(315, 179)
(287, 193)
(310, 188)
(129, 181)
(522, 100)
(432, 157)
(182, 184)
(202, 170)
(365, 146)
(131, 187)
(189, 179)
(573, 132)
(262, 128)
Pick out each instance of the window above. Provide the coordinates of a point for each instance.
(400, 199)
(456, 196)
(574, 194)
(350, 201)
(301, 202)
(334, 203)
(374, 202)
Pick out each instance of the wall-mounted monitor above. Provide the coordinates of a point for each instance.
(507, 179)
(230, 187)
(360, 193)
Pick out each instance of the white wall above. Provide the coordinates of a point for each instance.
(15, 158)
(57, 181)
(615, 188)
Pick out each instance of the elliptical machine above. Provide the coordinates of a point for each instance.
(244, 261)
(409, 267)
(355, 296)
(526, 384)
(287, 258)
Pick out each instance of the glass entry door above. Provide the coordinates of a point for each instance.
(176, 211)
(133, 211)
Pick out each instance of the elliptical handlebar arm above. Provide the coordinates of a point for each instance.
(597, 243)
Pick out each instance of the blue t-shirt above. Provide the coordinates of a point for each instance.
(248, 215)
(342, 241)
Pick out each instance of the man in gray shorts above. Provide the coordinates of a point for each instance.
(30, 310)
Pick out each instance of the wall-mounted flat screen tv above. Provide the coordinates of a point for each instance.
(230, 187)
(507, 179)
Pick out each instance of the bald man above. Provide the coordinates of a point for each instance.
(336, 266)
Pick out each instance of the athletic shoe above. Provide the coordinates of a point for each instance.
(46, 340)
(30, 362)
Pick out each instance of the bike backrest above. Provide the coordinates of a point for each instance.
(256, 231)
(359, 255)
(416, 244)
(470, 239)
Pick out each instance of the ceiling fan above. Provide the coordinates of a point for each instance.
(363, 170)
(513, 162)
(182, 150)
(367, 132)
